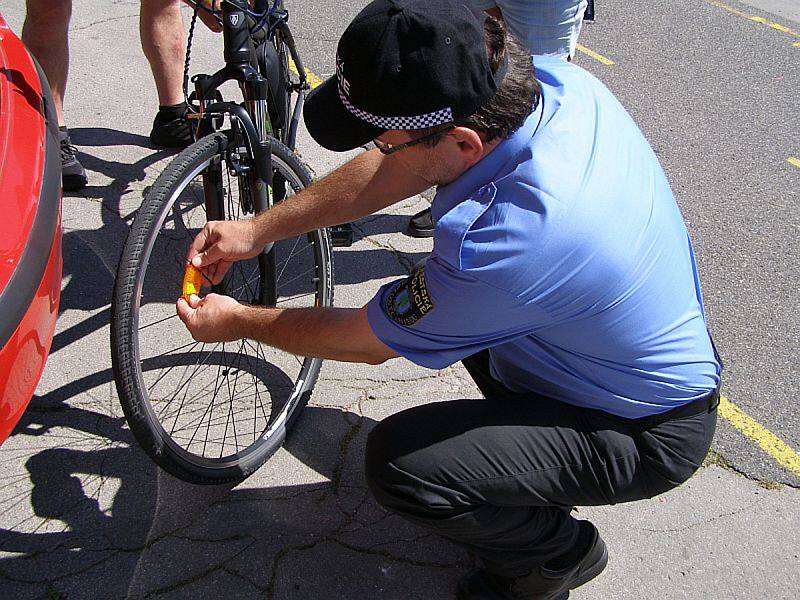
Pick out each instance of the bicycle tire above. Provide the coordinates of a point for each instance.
(128, 299)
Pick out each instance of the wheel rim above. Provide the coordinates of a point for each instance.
(251, 391)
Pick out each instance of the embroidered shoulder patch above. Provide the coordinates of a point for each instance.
(409, 301)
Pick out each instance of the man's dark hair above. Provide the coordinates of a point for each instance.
(515, 99)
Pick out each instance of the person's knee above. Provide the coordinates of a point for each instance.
(44, 17)
(381, 475)
(406, 479)
(396, 475)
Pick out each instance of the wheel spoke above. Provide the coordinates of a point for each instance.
(295, 297)
(252, 278)
(296, 277)
(165, 373)
(296, 252)
(288, 258)
(197, 366)
(157, 322)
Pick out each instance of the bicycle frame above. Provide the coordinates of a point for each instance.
(242, 65)
(242, 37)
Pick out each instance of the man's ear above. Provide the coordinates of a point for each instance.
(469, 143)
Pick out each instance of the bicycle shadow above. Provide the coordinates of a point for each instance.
(104, 522)
(87, 515)
(90, 255)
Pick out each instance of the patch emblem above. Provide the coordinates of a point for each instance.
(409, 301)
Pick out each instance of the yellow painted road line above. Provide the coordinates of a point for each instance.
(755, 19)
(784, 454)
(312, 78)
(594, 55)
(794, 161)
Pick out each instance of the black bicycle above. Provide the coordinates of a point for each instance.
(213, 413)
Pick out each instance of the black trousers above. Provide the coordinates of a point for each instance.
(500, 476)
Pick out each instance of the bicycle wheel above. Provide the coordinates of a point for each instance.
(209, 413)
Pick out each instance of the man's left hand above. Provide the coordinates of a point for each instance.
(212, 318)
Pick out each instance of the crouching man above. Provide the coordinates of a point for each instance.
(562, 277)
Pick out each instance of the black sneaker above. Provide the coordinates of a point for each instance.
(73, 175)
(171, 128)
(539, 584)
(421, 224)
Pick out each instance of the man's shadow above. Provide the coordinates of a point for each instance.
(104, 522)
(121, 174)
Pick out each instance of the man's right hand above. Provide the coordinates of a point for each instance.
(222, 243)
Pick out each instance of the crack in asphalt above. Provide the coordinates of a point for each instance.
(689, 526)
(399, 255)
(721, 461)
(50, 578)
(109, 20)
(201, 575)
(284, 552)
(398, 559)
(344, 448)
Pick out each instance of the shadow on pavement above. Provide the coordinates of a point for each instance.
(122, 174)
(90, 255)
(86, 514)
(104, 522)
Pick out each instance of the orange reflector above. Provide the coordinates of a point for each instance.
(192, 281)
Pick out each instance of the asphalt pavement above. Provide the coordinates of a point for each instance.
(85, 514)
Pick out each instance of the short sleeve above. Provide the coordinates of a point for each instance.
(440, 315)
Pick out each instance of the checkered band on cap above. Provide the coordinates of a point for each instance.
(439, 117)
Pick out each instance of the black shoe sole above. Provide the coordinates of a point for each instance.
(590, 573)
(418, 233)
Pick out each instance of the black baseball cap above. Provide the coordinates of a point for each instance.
(402, 64)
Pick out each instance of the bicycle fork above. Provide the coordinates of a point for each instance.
(252, 120)
(256, 90)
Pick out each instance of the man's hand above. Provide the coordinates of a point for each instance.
(210, 319)
(220, 244)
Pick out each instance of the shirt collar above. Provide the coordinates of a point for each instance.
(491, 167)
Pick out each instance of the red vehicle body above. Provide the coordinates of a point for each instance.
(30, 226)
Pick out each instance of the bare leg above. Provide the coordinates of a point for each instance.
(45, 34)
(163, 41)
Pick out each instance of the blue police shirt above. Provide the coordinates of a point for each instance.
(563, 252)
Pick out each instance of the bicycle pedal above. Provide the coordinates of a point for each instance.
(342, 235)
